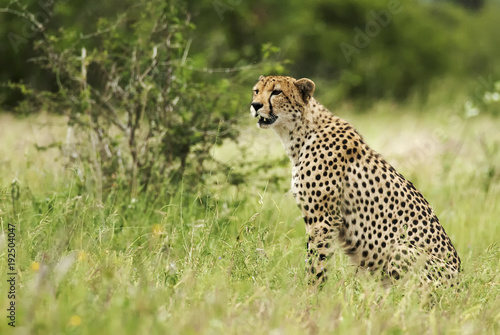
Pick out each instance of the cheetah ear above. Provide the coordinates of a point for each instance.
(261, 77)
(306, 88)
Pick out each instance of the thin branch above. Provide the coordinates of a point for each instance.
(212, 70)
(154, 63)
(97, 33)
(186, 51)
(114, 117)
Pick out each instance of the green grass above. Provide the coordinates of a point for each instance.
(230, 259)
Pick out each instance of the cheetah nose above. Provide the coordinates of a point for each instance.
(257, 105)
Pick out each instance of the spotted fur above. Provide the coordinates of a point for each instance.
(348, 194)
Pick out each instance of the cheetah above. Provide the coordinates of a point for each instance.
(348, 194)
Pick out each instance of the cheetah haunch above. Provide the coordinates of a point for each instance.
(347, 192)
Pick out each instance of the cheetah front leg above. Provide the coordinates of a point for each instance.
(321, 230)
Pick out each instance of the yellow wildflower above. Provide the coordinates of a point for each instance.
(75, 320)
(82, 255)
(157, 230)
(35, 266)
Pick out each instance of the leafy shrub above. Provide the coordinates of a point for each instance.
(139, 116)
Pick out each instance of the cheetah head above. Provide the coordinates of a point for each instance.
(279, 101)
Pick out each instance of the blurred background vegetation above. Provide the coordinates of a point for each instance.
(154, 85)
(421, 41)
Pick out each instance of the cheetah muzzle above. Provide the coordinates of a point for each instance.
(263, 120)
(266, 121)
(348, 194)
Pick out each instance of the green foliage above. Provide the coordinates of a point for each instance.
(361, 49)
(139, 115)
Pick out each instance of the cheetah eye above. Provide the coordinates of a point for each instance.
(277, 92)
(255, 91)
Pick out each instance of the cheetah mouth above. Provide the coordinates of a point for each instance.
(266, 121)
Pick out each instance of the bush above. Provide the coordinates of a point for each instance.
(139, 116)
